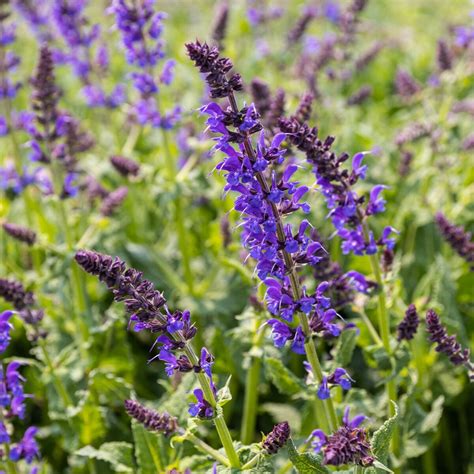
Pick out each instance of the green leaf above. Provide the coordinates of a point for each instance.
(224, 395)
(116, 453)
(285, 381)
(345, 347)
(381, 438)
(147, 453)
(305, 463)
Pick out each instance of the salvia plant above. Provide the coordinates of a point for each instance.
(236, 236)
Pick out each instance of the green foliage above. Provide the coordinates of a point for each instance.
(283, 379)
(305, 463)
(118, 454)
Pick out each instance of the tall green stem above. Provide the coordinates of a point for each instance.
(219, 421)
(251, 387)
(384, 328)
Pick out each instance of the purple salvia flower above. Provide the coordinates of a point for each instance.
(151, 419)
(457, 237)
(447, 344)
(125, 166)
(5, 328)
(200, 409)
(113, 201)
(348, 445)
(141, 29)
(277, 438)
(264, 198)
(405, 85)
(20, 233)
(406, 330)
(347, 212)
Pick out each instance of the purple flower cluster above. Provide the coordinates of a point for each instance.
(264, 198)
(25, 303)
(406, 330)
(457, 237)
(12, 404)
(348, 445)
(55, 135)
(338, 377)
(277, 438)
(35, 13)
(89, 59)
(148, 311)
(447, 344)
(141, 29)
(347, 210)
(151, 419)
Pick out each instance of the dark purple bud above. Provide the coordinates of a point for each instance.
(14, 292)
(387, 259)
(405, 85)
(207, 59)
(305, 107)
(20, 233)
(363, 61)
(125, 166)
(276, 109)
(360, 96)
(45, 93)
(277, 438)
(412, 132)
(113, 201)
(444, 56)
(219, 27)
(405, 162)
(447, 344)
(151, 419)
(458, 238)
(261, 95)
(298, 30)
(406, 330)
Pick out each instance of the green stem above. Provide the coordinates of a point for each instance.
(219, 421)
(358, 470)
(251, 387)
(373, 332)
(384, 328)
(311, 354)
(200, 444)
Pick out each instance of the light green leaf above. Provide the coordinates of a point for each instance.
(118, 454)
(147, 453)
(285, 381)
(224, 395)
(381, 438)
(305, 463)
(345, 347)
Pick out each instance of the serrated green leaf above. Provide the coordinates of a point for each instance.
(147, 452)
(381, 438)
(345, 347)
(118, 454)
(305, 463)
(285, 381)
